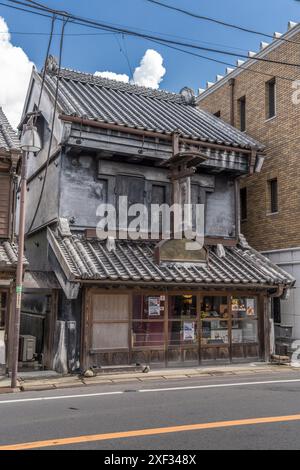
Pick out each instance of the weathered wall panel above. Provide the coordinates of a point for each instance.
(5, 200)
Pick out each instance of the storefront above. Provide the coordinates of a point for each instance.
(173, 328)
(135, 309)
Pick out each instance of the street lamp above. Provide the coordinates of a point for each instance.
(30, 142)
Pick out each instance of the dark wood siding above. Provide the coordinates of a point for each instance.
(5, 199)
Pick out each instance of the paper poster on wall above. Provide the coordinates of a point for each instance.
(189, 331)
(250, 307)
(154, 306)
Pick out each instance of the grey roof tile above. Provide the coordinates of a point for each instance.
(8, 137)
(90, 259)
(110, 101)
(9, 255)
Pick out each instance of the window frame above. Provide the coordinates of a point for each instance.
(273, 198)
(268, 85)
(242, 115)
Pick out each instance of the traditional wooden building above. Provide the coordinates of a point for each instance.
(9, 158)
(142, 301)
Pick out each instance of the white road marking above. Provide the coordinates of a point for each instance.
(199, 387)
(62, 397)
(149, 390)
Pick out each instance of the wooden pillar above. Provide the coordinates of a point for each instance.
(264, 327)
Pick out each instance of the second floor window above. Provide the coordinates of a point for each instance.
(242, 113)
(271, 98)
(273, 195)
(243, 203)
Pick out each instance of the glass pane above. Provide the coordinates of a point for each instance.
(110, 336)
(244, 307)
(183, 333)
(244, 331)
(214, 332)
(214, 307)
(148, 333)
(182, 306)
(148, 307)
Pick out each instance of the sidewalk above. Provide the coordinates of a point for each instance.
(50, 380)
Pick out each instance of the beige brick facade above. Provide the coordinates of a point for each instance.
(281, 135)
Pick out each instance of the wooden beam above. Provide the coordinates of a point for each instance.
(155, 135)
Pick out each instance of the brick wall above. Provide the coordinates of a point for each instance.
(281, 135)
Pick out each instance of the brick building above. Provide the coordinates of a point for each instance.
(260, 97)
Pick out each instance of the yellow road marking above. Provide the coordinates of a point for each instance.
(148, 432)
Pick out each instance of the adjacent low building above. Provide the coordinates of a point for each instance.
(9, 160)
(124, 301)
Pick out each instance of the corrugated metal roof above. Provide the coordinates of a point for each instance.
(110, 101)
(89, 259)
(8, 137)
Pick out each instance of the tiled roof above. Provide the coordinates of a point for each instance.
(8, 255)
(90, 259)
(110, 101)
(8, 137)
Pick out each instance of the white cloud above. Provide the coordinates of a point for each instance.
(113, 76)
(151, 70)
(15, 71)
(149, 73)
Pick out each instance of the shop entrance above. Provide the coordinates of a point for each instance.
(192, 329)
(166, 329)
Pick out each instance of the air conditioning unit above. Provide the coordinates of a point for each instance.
(27, 347)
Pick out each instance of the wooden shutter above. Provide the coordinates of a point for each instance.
(5, 197)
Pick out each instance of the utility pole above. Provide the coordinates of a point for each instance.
(30, 142)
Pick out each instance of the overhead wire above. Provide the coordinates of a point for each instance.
(217, 21)
(135, 33)
(52, 126)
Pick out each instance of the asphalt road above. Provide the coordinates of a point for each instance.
(258, 411)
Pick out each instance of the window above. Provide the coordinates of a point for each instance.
(242, 113)
(244, 320)
(217, 114)
(183, 325)
(273, 195)
(276, 310)
(148, 321)
(271, 98)
(243, 203)
(214, 315)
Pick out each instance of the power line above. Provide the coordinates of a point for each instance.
(52, 124)
(216, 21)
(94, 27)
(125, 54)
(75, 19)
(164, 42)
(211, 59)
(45, 62)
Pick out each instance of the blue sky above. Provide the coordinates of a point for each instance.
(102, 52)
